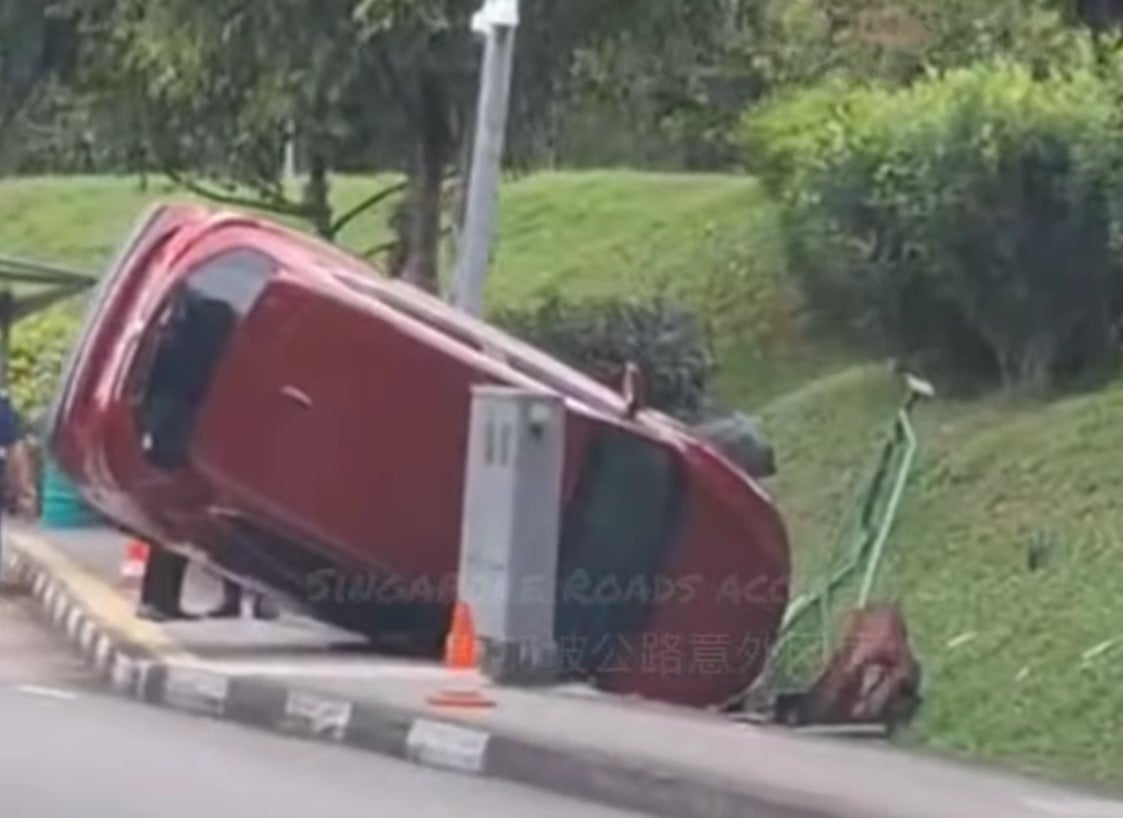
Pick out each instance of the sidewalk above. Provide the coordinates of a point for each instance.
(301, 677)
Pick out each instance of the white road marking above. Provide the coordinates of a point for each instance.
(47, 692)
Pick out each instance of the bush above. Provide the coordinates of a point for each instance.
(40, 345)
(599, 337)
(800, 42)
(972, 218)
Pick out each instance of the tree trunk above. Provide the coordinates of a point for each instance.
(434, 146)
(1100, 14)
(459, 204)
(317, 193)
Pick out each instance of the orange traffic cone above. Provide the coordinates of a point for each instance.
(460, 644)
(133, 566)
(460, 654)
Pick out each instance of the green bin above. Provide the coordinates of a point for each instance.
(63, 506)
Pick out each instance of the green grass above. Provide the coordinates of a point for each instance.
(997, 483)
(1010, 652)
(78, 220)
(1004, 646)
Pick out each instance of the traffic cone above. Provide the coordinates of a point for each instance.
(460, 655)
(134, 565)
(460, 644)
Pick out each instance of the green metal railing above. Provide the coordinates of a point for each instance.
(877, 506)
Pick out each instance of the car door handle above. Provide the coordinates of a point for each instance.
(297, 396)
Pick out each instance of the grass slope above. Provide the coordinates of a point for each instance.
(1024, 665)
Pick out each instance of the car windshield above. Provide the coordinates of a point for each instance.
(188, 339)
(618, 528)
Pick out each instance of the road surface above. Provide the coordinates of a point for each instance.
(68, 749)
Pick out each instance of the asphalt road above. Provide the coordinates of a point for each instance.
(67, 749)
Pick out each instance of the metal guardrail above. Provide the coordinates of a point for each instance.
(28, 287)
(25, 271)
(878, 512)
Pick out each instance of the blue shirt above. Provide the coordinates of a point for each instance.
(9, 423)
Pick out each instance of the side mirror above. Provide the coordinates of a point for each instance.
(634, 389)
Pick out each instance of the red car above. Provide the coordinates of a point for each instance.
(257, 399)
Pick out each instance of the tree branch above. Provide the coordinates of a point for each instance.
(274, 204)
(390, 244)
(17, 99)
(371, 201)
(379, 249)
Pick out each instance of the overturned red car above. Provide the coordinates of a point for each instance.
(259, 400)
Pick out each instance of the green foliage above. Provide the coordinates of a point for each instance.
(39, 348)
(1021, 664)
(370, 84)
(35, 54)
(971, 218)
(600, 337)
(798, 42)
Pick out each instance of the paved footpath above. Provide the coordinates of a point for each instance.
(302, 678)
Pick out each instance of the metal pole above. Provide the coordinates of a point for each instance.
(497, 20)
(7, 310)
(891, 510)
(288, 172)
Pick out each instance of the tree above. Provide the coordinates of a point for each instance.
(215, 86)
(37, 47)
(792, 42)
(1098, 14)
(215, 100)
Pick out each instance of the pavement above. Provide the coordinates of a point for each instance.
(301, 678)
(125, 760)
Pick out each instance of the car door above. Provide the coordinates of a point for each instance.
(333, 421)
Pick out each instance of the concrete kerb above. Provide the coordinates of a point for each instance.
(138, 662)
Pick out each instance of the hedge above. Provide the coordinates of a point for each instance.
(600, 336)
(40, 345)
(971, 219)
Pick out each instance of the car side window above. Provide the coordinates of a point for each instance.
(191, 333)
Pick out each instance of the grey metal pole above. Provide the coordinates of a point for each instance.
(7, 310)
(498, 20)
(288, 171)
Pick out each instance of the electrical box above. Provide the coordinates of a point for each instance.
(510, 530)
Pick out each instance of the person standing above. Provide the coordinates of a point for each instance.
(161, 588)
(16, 484)
(161, 593)
(231, 607)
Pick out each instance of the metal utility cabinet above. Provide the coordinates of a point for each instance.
(509, 540)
